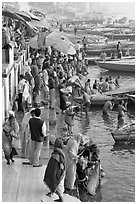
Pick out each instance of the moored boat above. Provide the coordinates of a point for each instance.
(121, 65)
(124, 134)
(131, 97)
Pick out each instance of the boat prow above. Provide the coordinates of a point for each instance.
(121, 65)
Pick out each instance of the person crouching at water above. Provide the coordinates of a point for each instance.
(69, 117)
(55, 171)
(122, 108)
(107, 107)
(71, 152)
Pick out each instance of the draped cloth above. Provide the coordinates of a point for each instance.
(55, 171)
(10, 129)
(71, 154)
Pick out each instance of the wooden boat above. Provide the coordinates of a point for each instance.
(131, 97)
(98, 99)
(94, 60)
(121, 65)
(108, 51)
(121, 91)
(109, 45)
(120, 36)
(124, 134)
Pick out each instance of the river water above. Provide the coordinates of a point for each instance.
(118, 161)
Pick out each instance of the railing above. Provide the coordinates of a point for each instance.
(10, 79)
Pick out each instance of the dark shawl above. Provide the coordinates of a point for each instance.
(56, 167)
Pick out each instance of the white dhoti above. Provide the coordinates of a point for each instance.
(70, 176)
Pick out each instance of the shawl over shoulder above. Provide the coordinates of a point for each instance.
(55, 170)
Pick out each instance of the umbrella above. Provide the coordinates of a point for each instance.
(28, 24)
(23, 15)
(33, 42)
(39, 14)
(41, 23)
(11, 14)
(58, 41)
(33, 17)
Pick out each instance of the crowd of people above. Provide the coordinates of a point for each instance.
(52, 78)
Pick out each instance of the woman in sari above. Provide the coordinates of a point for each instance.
(10, 131)
(55, 171)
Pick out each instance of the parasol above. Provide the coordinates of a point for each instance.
(13, 15)
(59, 42)
(33, 42)
(32, 16)
(41, 23)
(23, 15)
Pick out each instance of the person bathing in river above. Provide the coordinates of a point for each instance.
(87, 87)
(100, 84)
(96, 85)
(107, 107)
(105, 86)
(122, 108)
(86, 102)
(112, 84)
(117, 81)
(69, 116)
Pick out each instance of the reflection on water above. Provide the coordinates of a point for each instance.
(85, 197)
(124, 147)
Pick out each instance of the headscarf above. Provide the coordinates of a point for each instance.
(58, 143)
(58, 147)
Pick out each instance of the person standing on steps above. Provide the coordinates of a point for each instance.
(71, 152)
(10, 131)
(21, 87)
(55, 172)
(38, 132)
(25, 139)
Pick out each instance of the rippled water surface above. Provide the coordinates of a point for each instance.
(118, 161)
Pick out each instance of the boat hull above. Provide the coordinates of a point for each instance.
(124, 134)
(124, 137)
(122, 67)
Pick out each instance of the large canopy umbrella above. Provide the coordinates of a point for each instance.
(13, 15)
(33, 42)
(23, 15)
(41, 23)
(33, 17)
(30, 26)
(58, 41)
